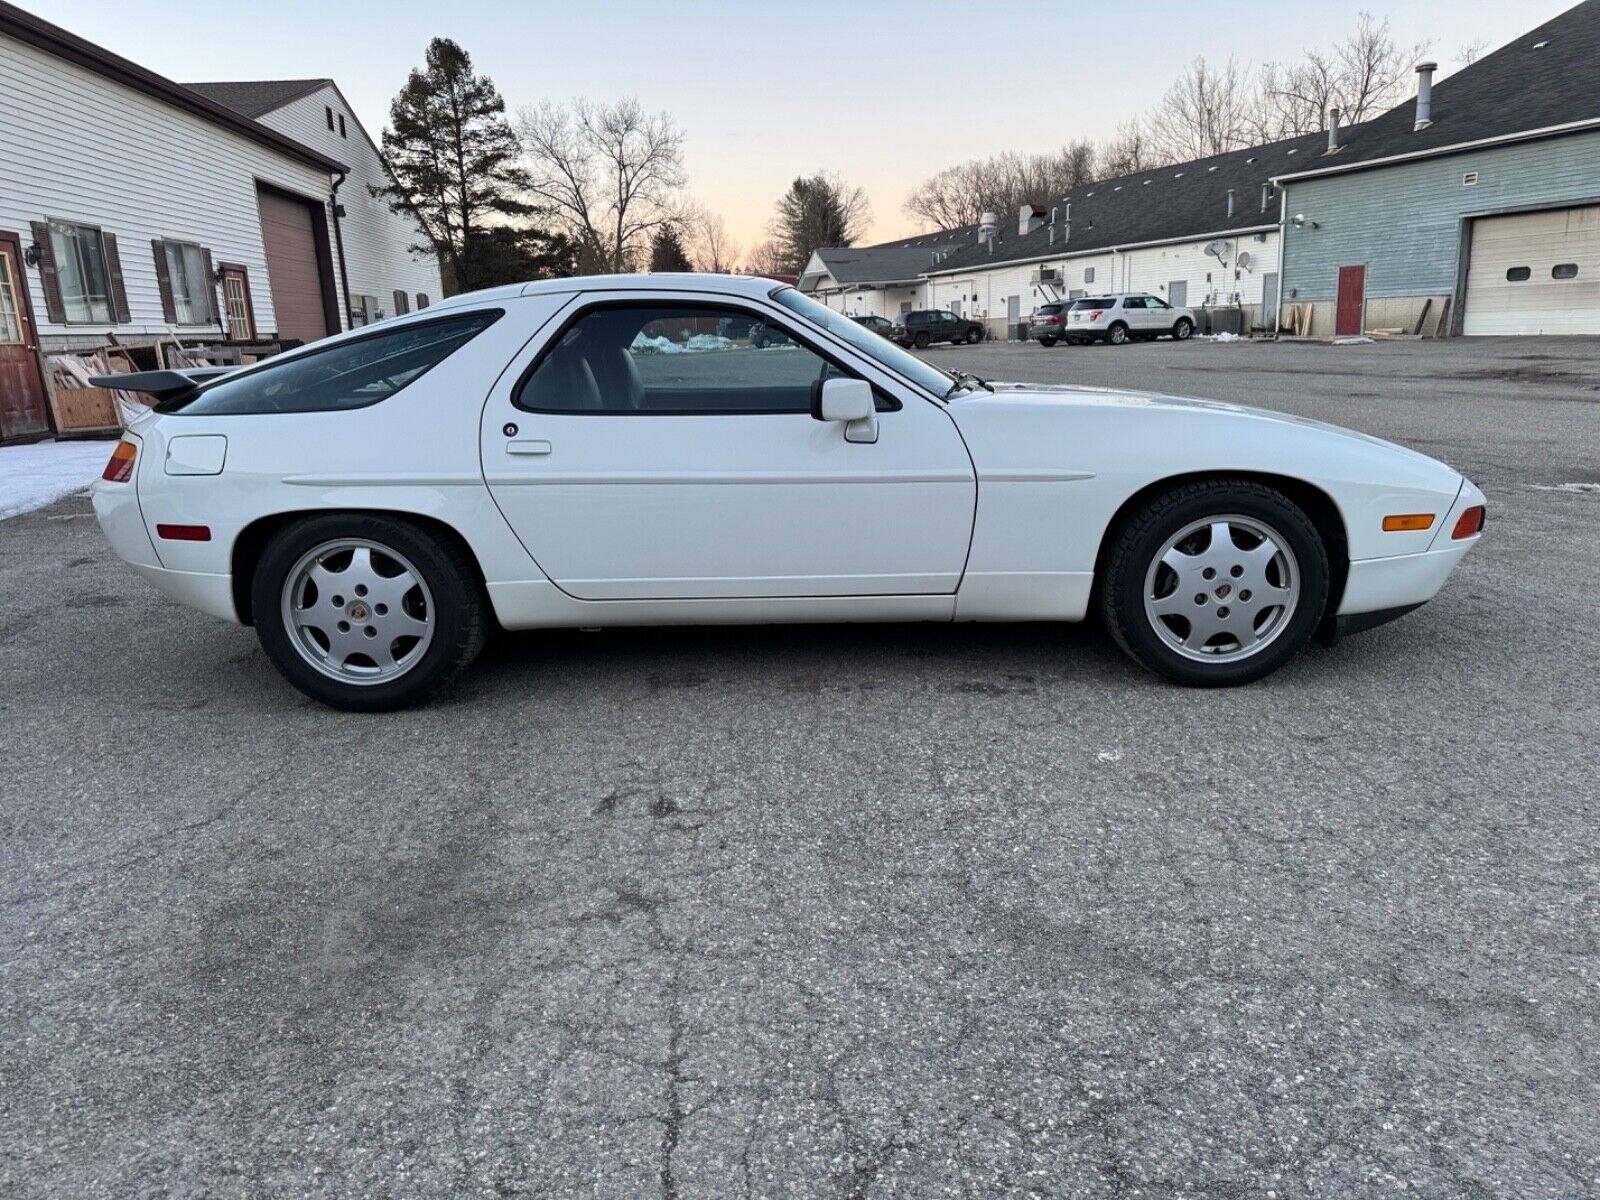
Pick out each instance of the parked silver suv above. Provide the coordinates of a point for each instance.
(1125, 316)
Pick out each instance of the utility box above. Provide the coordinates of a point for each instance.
(1221, 320)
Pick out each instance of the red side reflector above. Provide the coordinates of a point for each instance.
(1469, 523)
(120, 468)
(185, 533)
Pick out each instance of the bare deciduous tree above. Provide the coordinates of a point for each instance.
(960, 195)
(767, 258)
(1366, 74)
(1207, 111)
(709, 244)
(610, 173)
(1128, 151)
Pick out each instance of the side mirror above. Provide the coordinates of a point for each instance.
(849, 401)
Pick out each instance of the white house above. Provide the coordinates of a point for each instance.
(387, 276)
(134, 209)
(878, 280)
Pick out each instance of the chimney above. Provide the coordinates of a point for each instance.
(1230, 202)
(1333, 129)
(1029, 218)
(1425, 72)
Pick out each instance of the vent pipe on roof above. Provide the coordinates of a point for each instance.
(1425, 72)
(1266, 195)
(1333, 129)
(1230, 202)
(1066, 223)
(989, 228)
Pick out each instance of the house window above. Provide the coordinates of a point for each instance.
(1564, 271)
(328, 108)
(1088, 274)
(341, 125)
(422, 299)
(80, 257)
(191, 287)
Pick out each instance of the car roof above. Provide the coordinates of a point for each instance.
(753, 287)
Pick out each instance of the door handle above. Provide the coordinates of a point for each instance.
(528, 447)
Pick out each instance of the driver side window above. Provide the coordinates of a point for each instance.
(672, 359)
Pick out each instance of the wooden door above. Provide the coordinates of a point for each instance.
(236, 304)
(24, 404)
(294, 271)
(1348, 316)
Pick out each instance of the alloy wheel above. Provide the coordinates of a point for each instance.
(358, 611)
(1222, 588)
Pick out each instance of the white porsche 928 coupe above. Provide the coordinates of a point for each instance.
(678, 448)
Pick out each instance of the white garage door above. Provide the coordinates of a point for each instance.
(1535, 273)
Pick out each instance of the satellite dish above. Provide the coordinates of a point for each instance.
(1245, 260)
(1217, 249)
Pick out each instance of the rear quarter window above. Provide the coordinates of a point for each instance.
(351, 374)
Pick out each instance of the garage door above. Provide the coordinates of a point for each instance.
(294, 271)
(1535, 273)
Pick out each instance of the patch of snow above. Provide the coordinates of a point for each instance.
(1354, 341)
(1224, 336)
(34, 476)
(1109, 756)
(662, 345)
(1580, 488)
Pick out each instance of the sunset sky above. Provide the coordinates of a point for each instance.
(883, 94)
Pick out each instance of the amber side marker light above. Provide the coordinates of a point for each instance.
(1470, 522)
(120, 468)
(184, 533)
(1407, 521)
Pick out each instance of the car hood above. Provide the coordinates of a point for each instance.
(1046, 395)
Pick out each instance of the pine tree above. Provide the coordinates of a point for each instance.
(453, 157)
(667, 252)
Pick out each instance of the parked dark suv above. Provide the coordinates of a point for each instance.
(876, 324)
(929, 325)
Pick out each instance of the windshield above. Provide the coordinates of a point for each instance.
(874, 347)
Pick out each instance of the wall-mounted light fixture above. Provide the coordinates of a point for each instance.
(32, 254)
(1299, 222)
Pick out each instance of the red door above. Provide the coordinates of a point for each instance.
(1352, 299)
(24, 408)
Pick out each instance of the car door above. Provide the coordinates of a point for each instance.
(648, 449)
(1133, 314)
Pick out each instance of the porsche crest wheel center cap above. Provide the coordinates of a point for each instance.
(358, 611)
(1222, 592)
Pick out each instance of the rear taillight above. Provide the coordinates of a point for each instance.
(120, 468)
(1469, 523)
(1095, 315)
(1055, 320)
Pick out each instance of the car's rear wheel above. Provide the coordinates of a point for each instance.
(366, 612)
(1117, 334)
(1047, 341)
(1215, 583)
(1182, 328)
(920, 341)
(974, 337)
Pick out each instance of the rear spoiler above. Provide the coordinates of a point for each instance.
(160, 385)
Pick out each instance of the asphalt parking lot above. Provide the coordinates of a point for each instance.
(858, 912)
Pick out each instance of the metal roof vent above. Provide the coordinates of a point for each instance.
(1425, 72)
(1230, 202)
(1333, 130)
(1540, 45)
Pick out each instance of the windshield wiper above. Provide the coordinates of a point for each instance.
(966, 379)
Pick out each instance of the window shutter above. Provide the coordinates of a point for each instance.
(51, 282)
(119, 290)
(422, 299)
(169, 310)
(402, 304)
(211, 284)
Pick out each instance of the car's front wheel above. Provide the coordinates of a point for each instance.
(367, 612)
(1215, 583)
(1182, 328)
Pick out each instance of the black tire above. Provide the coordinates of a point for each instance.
(1134, 544)
(1117, 334)
(459, 613)
(974, 336)
(1182, 328)
(920, 341)
(1047, 341)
